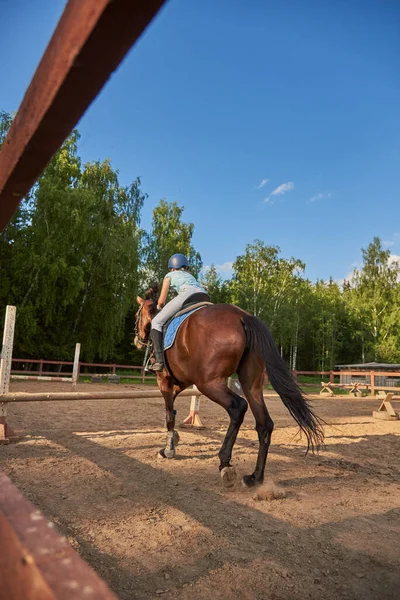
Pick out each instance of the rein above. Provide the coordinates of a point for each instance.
(136, 333)
(145, 342)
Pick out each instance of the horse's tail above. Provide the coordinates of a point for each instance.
(260, 341)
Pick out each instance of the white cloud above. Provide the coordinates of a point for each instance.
(316, 197)
(280, 191)
(320, 197)
(393, 241)
(263, 182)
(394, 258)
(225, 269)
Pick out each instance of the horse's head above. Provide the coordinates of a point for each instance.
(147, 310)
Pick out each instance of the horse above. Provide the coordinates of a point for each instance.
(211, 345)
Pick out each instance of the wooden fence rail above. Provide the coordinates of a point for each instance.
(111, 367)
(142, 375)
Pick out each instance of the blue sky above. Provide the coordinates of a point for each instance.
(271, 120)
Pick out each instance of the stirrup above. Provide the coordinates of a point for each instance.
(148, 365)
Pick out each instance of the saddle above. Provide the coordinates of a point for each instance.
(194, 303)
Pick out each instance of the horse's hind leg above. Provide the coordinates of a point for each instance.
(236, 407)
(251, 377)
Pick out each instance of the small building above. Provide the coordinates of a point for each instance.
(383, 380)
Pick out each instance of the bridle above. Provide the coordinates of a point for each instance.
(144, 342)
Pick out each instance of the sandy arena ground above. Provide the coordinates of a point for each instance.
(166, 528)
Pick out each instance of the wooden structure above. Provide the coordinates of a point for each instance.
(5, 399)
(193, 419)
(40, 370)
(355, 389)
(75, 396)
(384, 374)
(73, 379)
(36, 563)
(6, 433)
(386, 411)
(42, 378)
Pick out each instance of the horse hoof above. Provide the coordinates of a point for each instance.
(249, 481)
(228, 476)
(166, 453)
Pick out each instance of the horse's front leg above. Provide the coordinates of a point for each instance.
(169, 392)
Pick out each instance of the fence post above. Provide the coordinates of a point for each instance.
(295, 374)
(41, 367)
(114, 369)
(5, 370)
(372, 375)
(331, 377)
(75, 370)
(6, 353)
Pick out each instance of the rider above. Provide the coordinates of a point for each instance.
(185, 284)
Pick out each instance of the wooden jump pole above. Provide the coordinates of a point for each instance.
(74, 396)
(42, 378)
(73, 379)
(5, 370)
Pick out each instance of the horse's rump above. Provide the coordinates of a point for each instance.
(211, 340)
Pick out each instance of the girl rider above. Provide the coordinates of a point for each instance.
(185, 285)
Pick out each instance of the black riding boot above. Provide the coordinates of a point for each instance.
(157, 339)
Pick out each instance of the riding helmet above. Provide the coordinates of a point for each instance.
(177, 261)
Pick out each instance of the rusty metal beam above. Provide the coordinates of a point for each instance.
(89, 42)
(36, 563)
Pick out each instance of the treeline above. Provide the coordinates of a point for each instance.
(74, 258)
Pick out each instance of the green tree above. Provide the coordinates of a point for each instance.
(5, 124)
(261, 280)
(168, 235)
(374, 301)
(217, 288)
(14, 242)
(77, 262)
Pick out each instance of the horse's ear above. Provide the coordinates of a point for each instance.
(139, 300)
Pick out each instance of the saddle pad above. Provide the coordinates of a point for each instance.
(172, 329)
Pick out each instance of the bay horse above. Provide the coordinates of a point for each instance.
(211, 345)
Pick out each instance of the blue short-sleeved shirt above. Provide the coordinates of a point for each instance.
(182, 278)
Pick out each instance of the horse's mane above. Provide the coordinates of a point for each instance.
(152, 294)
